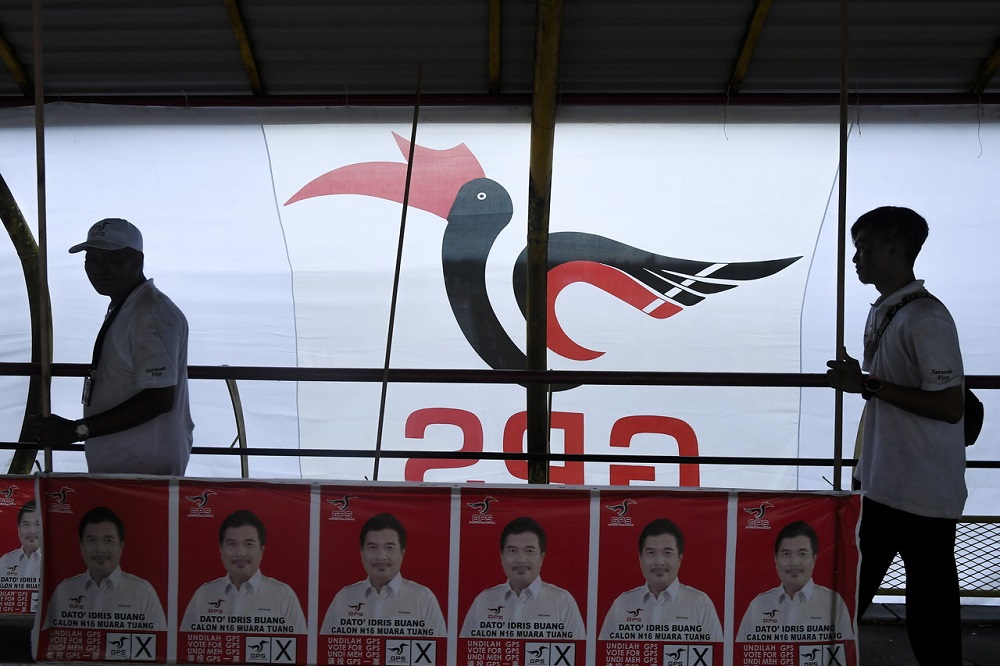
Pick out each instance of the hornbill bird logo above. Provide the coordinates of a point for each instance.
(495, 611)
(676, 654)
(356, 607)
(8, 492)
(758, 511)
(202, 499)
(60, 495)
(117, 644)
(259, 647)
(342, 502)
(452, 184)
(622, 508)
(539, 653)
(635, 612)
(483, 505)
(77, 600)
(217, 603)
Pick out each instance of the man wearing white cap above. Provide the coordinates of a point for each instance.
(136, 415)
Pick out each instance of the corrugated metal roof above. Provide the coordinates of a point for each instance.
(338, 49)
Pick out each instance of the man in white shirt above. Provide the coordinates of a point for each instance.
(384, 603)
(524, 606)
(104, 597)
(244, 600)
(663, 608)
(798, 610)
(912, 463)
(136, 409)
(25, 563)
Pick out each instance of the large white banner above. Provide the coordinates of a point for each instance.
(681, 240)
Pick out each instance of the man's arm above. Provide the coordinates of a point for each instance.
(947, 405)
(144, 406)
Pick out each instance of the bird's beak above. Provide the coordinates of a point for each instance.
(436, 177)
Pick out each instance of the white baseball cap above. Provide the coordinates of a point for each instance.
(112, 233)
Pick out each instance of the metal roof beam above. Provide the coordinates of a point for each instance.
(494, 45)
(16, 69)
(986, 71)
(243, 41)
(754, 29)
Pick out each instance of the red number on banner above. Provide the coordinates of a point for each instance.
(627, 427)
(571, 423)
(416, 427)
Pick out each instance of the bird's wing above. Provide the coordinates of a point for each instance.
(657, 285)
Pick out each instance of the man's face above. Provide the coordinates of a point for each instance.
(382, 556)
(522, 558)
(101, 549)
(241, 552)
(111, 271)
(872, 256)
(795, 561)
(660, 561)
(27, 531)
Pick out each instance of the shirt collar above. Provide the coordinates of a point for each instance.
(916, 285)
(669, 594)
(392, 586)
(806, 592)
(252, 584)
(34, 557)
(532, 590)
(113, 580)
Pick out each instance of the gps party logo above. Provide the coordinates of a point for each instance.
(199, 502)
(619, 513)
(452, 184)
(341, 507)
(757, 520)
(59, 500)
(481, 511)
(7, 496)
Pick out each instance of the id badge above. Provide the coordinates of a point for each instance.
(88, 384)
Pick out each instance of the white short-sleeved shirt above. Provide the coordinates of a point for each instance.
(773, 612)
(145, 347)
(538, 604)
(679, 609)
(909, 462)
(121, 597)
(412, 604)
(219, 602)
(19, 564)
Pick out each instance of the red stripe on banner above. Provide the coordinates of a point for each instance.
(608, 279)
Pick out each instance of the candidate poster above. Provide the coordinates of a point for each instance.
(523, 569)
(20, 545)
(104, 590)
(796, 580)
(661, 581)
(383, 574)
(243, 572)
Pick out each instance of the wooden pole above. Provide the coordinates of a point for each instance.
(543, 122)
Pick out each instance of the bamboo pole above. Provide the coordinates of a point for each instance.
(395, 280)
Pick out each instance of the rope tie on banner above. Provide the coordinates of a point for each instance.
(395, 278)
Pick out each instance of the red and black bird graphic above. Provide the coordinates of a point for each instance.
(452, 184)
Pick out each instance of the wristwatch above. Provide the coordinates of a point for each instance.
(82, 431)
(872, 385)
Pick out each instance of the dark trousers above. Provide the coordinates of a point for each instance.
(927, 548)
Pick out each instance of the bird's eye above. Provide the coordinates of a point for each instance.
(481, 196)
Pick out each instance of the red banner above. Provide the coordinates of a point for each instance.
(369, 574)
